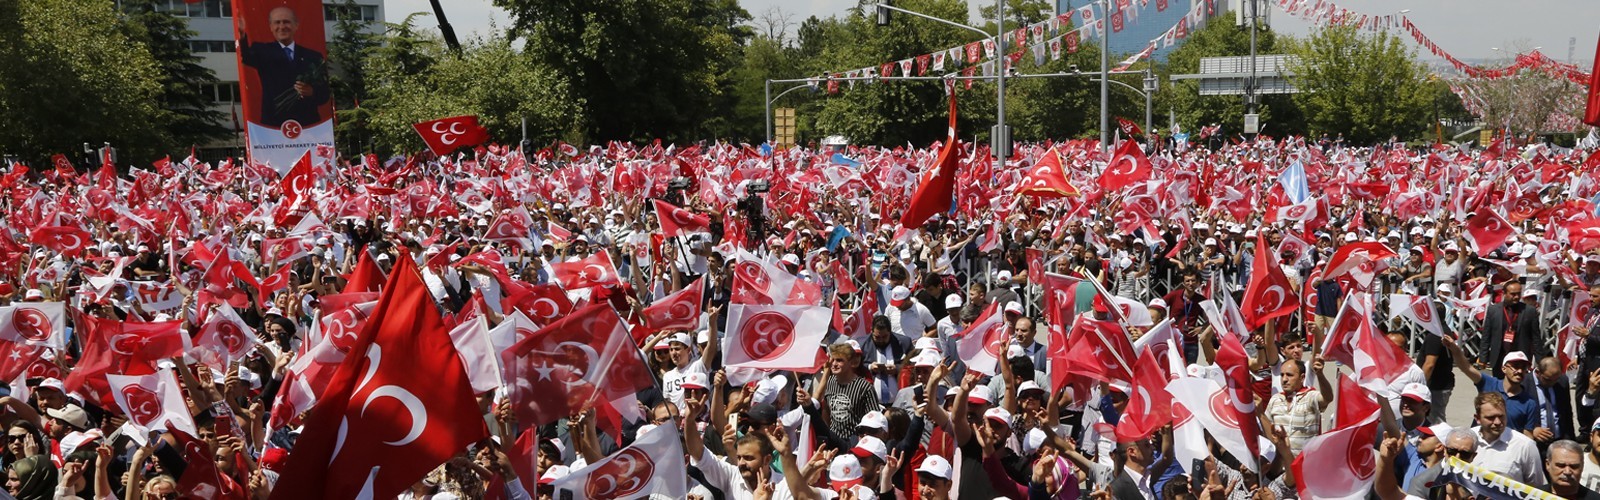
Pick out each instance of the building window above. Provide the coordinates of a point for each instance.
(211, 46)
(341, 12)
(221, 93)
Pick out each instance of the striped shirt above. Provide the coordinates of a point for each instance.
(847, 404)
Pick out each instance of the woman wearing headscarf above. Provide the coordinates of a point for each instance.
(32, 478)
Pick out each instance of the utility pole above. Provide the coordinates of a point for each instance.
(1105, 75)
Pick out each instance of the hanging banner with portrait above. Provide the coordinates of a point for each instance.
(283, 81)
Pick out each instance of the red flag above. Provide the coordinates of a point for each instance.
(1047, 178)
(1487, 230)
(396, 409)
(678, 311)
(366, 277)
(545, 303)
(1418, 309)
(1110, 349)
(69, 241)
(1129, 128)
(843, 280)
(296, 183)
(445, 135)
(1359, 260)
(1354, 340)
(1204, 400)
(1591, 111)
(1343, 461)
(151, 402)
(201, 479)
(586, 358)
(596, 270)
(1235, 366)
(1128, 165)
(676, 221)
(512, 226)
(1149, 405)
(982, 345)
(936, 192)
(1269, 294)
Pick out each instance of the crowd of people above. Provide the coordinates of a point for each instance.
(188, 329)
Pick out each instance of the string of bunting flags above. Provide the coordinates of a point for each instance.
(1325, 12)
(1050, 38)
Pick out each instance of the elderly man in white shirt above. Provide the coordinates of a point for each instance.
(1509, 453)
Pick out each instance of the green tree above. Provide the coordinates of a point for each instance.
(640, 69)
(1368, 86)
(188, 117)
(491, 79)
(1221, 38)
(73, 75)
(348, 52)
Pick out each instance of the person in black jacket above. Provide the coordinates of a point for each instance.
(293, 79)
(1509, 326)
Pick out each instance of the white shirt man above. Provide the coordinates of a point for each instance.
(1513, 455)
(908, 319)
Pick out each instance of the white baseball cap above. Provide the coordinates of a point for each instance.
(696, 380)
(1418, 392)
(998, 414)
(32, 294)
(935, 466)
(1515, 356)
(1211, 242)
(953, 301)
(1014, 307)
(1033, 441)
(898, 296)
(1028, 385)
(554, 473)
(981, 394)
(926, 358)
(870, 446)
(681, 338)
(874, 420)
(845, 468)
(1350, 237)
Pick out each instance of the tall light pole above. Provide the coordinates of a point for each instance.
(1105, 73)
(1000, 138)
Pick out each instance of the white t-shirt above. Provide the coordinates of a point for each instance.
(672, 382)
(912, 322)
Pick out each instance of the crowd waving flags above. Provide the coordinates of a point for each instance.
(1273, 317)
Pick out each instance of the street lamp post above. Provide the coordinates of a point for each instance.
(1000, 139)
(1105, 68)
(1147, 93)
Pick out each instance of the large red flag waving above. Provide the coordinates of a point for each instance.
(445, 135)
(937, 190)
(1591, 112)
(1270, 294)
(1128, 165)
(399, 406)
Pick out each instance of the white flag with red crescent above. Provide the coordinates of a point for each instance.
(778, 337)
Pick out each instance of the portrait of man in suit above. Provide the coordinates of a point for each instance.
(293, 78)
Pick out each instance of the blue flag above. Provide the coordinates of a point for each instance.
(1294, 182)
(838, 235)
(841, 159)
(766, 150)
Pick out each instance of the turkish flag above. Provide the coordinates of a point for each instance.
(445, 135)
(936, 192)
(982, 345)
(278, 280)
(397, 408)
(678, 311)
(1128, 165)
(545, 303)
(1047, 178)
(1418, 309)
(69, 241)
(557, 233)
(1591, 110)
(1487, 230)
(775, 337)
(1359, 260)
(1269, 294)
(1112, 352)
(201, 479)
(676, 221)
(843, 280)
(1354, 340)
(804, 293)
(1343, 461)
(366, 277)
(284, 250)
(218, 285)
(596, 270)
(512, 226)
(651, 467)
(35, 323)
(1149, 406)
(151, 402)
(586, 358)
(1235, 366)
(759, 282)
(295, 186)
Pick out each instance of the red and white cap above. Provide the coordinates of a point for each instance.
(953, 301)
(1515, 356)
(869, 446)
(981, 395)
(998, 414)
(874, 420)
(935, 466)
(553, 473)
(1014, 307)
(898, 296)
(696, 380)
(1418, 392)
(844, 469)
